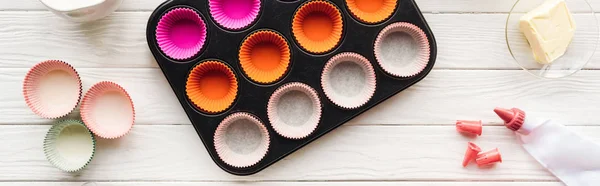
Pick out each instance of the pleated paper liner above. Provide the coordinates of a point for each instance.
(372, 11)
(241, 140)
(107, 110)
(69, 145)
(265, 56)
(402, 49)
(181, 33)
(212, 86)
(317, 26)
(349, 80)
(234, 14)
(294, 110)
(52, 89)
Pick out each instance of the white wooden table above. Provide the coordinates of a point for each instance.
(408, 140)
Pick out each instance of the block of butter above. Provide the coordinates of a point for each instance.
(549, 29)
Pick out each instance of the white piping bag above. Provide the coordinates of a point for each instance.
(571, 157)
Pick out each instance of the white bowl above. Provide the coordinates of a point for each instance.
(82, 10)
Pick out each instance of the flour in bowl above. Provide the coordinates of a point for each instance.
(68, 5)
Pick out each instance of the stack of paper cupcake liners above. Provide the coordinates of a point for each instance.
(52, 89)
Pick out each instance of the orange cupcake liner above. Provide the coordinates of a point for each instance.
(265, 56)
(372, 11)
(211, 86)
(42, 99)
(107, 110)
(317, 26)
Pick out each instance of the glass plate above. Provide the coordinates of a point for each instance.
(579, 52)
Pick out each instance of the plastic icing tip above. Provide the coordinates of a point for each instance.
(513, 118)
(506, 114)
(488, 158)
(469, 127)
(471, 154)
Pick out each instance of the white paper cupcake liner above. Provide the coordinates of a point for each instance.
(52, 89)
(107, 110)
(349, 80)
(233, 136)
(69, 145)
(290, 117)
(395, 54)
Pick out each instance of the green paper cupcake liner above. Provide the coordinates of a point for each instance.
(69, 145)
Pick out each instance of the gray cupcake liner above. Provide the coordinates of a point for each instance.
(75, 155)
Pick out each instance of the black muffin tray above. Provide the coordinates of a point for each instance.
(223, 45)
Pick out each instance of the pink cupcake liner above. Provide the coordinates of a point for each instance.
(276, 111)
(225, 140)
(344, 94)
(107, 110)
(387, 54)
(181, 33)
(234, 14)
(52, 89)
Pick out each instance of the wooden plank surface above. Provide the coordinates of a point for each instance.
(357, 153)
(465, 41)
(408, 140)
(467, 94)
(280, 183)
(441, 6)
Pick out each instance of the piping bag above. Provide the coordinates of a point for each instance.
(572, 158)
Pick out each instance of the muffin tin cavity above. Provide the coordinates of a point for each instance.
(234, 14)
(294, 110)
(349, 80)
(402, 49)
(317, 26)
(275, 75)
(265, 56)
(371, 11)
(241, 140)
(181, 33)
(212, 86)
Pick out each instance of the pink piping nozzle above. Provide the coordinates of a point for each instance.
(471, 154)
(469, 127)
(488, 158)
(513, 118)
